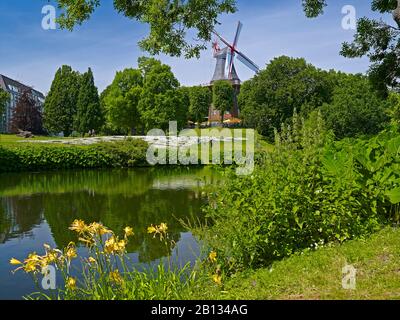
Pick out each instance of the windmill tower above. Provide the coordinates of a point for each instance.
(225, 67)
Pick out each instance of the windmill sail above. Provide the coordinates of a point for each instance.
(229, 54)
(247, 62)
(238, 31)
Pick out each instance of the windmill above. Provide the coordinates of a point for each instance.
(225, 67)
(228, 54)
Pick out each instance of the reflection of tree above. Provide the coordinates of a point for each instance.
(5, 224)
(117, 198)
(19, 215)
(117, 212)
(126, 182)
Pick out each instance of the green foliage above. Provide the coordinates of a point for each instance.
(161, 100)
(286, 84)
(169, 21)
(223, 96)
(121, 100)
(89, 115)
(394, 108)
(61, 102)
(200, 102)
(146, 98)
(374, 38)
(53, 157)
(308, 192)
(356, 109)
(4, 98)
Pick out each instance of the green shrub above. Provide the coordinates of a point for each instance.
(308, 192)
(127, 153)
(53, 157)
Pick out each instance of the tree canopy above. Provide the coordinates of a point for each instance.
(4, 98)
(169, 21)
(26, 115)
(200, 101)
(355, 109)
(270, 98)
(161, 101)
(121, 100)
(148, 97)
(223, 96)
(89, 115)
(61, 102)
(378, 40)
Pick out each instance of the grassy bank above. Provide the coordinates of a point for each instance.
(19, 154)
(318, 274)
(310, 275)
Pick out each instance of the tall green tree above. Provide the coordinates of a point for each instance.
(60, 104)
(200, 102)
(121, 101)
(376, 39)
(356, 109)
(223, 96)
(169, 21)
(285, 85)
(89, 115)
(4, 99)
(161, 100)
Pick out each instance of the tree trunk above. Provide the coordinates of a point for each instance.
(396, 14)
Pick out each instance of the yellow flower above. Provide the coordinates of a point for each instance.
(88, 242)
(71, 283)
(121, 246)
(128, 232)
(79, 226)
(151, 229)
(15, 262)
(98, 228)
(33, 257)
(163, 228)
(213, 256)
(71, 251)
(49, 258)
(30, 266)
(92, 260)
(111, 245)
(217, 279)
(116, 277)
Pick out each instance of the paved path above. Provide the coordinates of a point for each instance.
(158, 141)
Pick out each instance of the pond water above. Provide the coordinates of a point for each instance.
(38, 208)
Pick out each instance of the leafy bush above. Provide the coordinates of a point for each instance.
(51, 157)
(308, 192)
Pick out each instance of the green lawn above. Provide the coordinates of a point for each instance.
(12, 139)
(318, 274)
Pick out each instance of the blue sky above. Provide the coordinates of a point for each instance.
(108, 42)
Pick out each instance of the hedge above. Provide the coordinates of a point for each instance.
(31, 157)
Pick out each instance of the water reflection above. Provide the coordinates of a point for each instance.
(32, 203)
